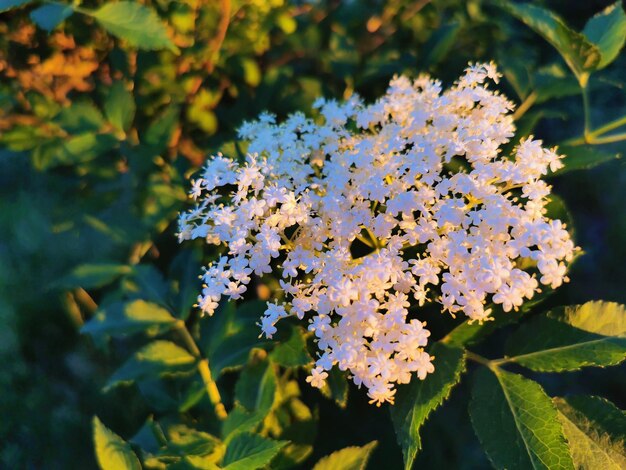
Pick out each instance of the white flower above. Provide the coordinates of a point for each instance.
(313, 193)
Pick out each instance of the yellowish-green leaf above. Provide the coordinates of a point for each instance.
(129, 317)
(120, 106)
(596, 431)
(156, 359)
(593, 334)
(350, 458)
(112, 452)
(246, 451)
(135, 23)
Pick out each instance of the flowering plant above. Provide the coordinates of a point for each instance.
(372, 207)
(402, 250)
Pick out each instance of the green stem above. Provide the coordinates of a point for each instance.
(204, 370)
(587, 112)
(609, 126)
(479, 359)
(525, 106)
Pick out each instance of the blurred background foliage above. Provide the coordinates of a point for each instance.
(98, 137)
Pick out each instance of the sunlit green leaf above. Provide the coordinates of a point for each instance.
(607, 30)
(350, 458)
(92, 276)
(135, 23)
(247, 451)
(119, 106)
(596, 431)
(129, 317)
(112, 452)
(154, 360)
(516, 422)
(593, 334)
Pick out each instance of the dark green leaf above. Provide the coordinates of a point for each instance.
(112, 451)
(440, 43)
(160, 131)
(51, 15)
(581, 55)
(135, 23)
(292, 352)
(130, 317)
(185, 272)
(596, 431)
(247, 451)
(516, 422)
(10, 4)
(93, 276)
(120, 106)
(80, 117)
(83, 148)
(336, 387)
(256, 387)
(157, 359)
(607, 30)
(593, 334)
(229, 335)
(414, 402)
(583, 157)
(148, 283)
(350, 458)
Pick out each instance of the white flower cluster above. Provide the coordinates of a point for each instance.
(370, 209)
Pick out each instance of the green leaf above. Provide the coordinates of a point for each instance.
(256, 387)
(184, 441)
(293, 351)
(517, 423)
(112, 452)
(156, 359)
(229, 335)
(467, 333)
(120, 106)
(93, 276)
(147, 282)
(596, 431)
(580, 55)
(6, 5)
(160, 131)
(607, 30)
(350, 458)
(130, 317)
(83, 148)
(247, 451)
(80, 117)
(415, 401)
(439, 44)
(336, 387)
(583, 157)
(593, 334)
(51, 15)
(136, 23)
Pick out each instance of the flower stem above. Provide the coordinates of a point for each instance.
(204, 370)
